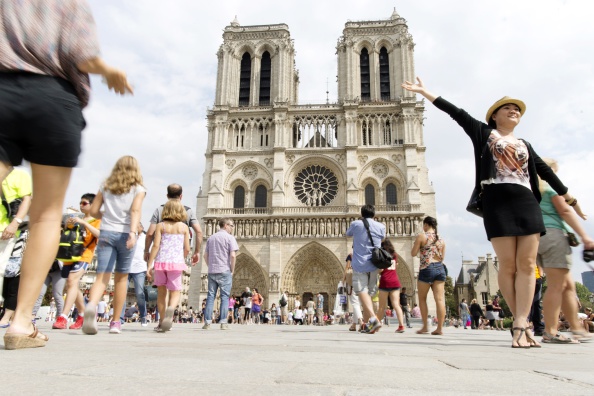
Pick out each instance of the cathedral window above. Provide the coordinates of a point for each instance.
(261, 197)
(391, 198)
(369, 195)
(366, 131)
(263, 136)
(316, 185)
(384, 69)
(365, 76)
(239, 197)
(245, 80)
(265, 72)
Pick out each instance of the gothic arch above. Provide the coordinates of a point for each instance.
(365, 43)
(237, 176)
(312, 269)
(328, 162)
(394, 173)
(245, 47)
(263, 46)
(384, 42)
(405, 276)
(248, 273)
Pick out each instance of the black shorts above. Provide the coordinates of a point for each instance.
(40, 120)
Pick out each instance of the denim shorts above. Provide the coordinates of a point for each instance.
(113, 253)
(73, 267)
(434, 273)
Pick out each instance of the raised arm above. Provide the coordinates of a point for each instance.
(419, 88)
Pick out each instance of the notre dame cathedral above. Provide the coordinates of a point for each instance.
(293, 176)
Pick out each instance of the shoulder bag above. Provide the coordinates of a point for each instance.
(379, 257)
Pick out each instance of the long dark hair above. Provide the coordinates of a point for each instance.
(432, 222)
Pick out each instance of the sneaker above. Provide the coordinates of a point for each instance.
(400, 329)
(167, 319)
(206, 326)
(61, 323)
(373, 327)
(115, 327)
(363, 328)
(78, 324)
(224, 326)
(143, 322)
(89, 322)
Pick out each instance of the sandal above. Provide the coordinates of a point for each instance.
(422, 331)
(436, 332)
(557, 339)
(353, 327)
(582, 336)
(21, 341)
(517, 339)
(533, 343)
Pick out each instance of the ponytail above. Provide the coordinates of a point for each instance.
(432, 222)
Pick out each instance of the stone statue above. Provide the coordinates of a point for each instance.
(274, 282)
(391, 226)
(246, 228)
(306, 227)
(209, 229)
(407, 226)
(299, 227)
(314, 227)
(399, 226)
(275, 228)
(261, 228)
(322, 227)
(240, 229)
(254, 228)
(204, 286)
(284, 227)
(329, 227)
(291, 229)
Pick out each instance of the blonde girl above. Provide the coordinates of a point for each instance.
(121, 197)
(167, 262)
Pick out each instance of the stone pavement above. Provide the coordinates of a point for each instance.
(293, 360)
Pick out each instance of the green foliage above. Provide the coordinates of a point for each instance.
(504, 305)
(583, 294)
(450, 300)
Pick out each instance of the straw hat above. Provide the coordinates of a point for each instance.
(503, 101)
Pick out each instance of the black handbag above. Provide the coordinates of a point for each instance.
(381, 258)
(475, 205)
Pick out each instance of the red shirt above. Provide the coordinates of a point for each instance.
(389, 277)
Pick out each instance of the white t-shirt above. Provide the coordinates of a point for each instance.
(101, 307)
(298, 314)
(297, 303)
(116, 209)
(138, 264)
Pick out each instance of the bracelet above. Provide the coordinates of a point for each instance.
(571, 202)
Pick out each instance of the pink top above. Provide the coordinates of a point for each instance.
(171, 253)
(431, 251)
(49, 37)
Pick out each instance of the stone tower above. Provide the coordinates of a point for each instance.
(293, 176)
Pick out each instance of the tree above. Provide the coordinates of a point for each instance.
(583, 294)
(450, 300)
(503, 305)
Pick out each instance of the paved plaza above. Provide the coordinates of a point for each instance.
(293, 360)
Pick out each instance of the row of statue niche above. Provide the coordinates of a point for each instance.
(313, 227)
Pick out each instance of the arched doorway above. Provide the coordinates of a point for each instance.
(249, 273)
(313, 269)
(406, 278)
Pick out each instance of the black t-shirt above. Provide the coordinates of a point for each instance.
(403, 299)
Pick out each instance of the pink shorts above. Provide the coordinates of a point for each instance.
(171, 279)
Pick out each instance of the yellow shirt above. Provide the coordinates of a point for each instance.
(536, 272)
(16, 185)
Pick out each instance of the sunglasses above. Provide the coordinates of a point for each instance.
(84, 203)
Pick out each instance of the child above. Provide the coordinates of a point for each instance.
(121, 197)
(167, 260)
(389, 287)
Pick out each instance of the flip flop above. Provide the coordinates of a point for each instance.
(436, 332)
(517, 340)
(21, 341)
(422, 332)
(557, 339)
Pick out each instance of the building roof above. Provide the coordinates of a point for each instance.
(467, 271)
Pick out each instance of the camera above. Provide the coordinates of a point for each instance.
(588, 255)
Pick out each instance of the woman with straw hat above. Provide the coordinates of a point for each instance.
(507, 171)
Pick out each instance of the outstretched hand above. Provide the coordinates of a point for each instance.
(417, 88)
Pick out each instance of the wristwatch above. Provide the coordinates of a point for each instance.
(19, 221)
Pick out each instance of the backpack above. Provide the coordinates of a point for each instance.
(72, 245)
(283, 301)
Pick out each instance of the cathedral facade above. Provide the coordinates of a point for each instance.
(294, 176)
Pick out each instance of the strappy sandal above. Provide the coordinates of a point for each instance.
(522, 330)
(533, 343)
(557, 339)
(22, 341)
(582, 336)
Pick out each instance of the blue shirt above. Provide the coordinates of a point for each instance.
(219, 247)
(361, 245)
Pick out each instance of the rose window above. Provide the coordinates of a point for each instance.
(316, 185)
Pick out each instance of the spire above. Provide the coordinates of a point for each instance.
(395, 14)
(235, 22)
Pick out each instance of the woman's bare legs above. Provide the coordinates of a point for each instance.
(161, 302)
(560, 295)
(517, 279)
(423, 289)
(383, 301)
(439, 296)
(50, 184)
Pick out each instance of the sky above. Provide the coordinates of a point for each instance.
(471, 52)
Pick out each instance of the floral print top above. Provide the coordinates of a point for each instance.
(171, 253)
(431, 251)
